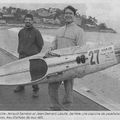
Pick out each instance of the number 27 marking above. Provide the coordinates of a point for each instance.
(94, 57)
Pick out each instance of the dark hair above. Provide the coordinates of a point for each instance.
(71, 8)
(29, 16)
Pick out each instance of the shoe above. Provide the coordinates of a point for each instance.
(35, 93)
(66, 102)
(55, 109)
(19, 89)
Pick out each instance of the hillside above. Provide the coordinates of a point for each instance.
(50, 18)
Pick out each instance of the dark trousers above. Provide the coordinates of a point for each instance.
(35, 87)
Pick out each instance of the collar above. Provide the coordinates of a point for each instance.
(28, 28)
(69, 25)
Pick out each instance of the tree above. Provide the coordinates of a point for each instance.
(18, 14)
(92, 21)
(4, 9)
(102, 26)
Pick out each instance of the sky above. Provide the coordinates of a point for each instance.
(104, 10)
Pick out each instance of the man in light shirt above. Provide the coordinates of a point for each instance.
(67, 36)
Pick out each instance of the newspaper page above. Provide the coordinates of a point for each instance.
(95, 93)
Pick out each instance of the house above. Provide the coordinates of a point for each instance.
(78, 21)
(9, 18)
(57, 21)
(43, 12)
(38, 20)
(2, 21)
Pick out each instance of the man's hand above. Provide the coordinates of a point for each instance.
(47, 54)
(51, 54)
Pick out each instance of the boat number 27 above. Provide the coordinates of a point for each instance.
(94, 57)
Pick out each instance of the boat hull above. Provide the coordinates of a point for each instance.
(64, 64)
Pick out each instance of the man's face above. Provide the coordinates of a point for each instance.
(69, 16)
(28, 22)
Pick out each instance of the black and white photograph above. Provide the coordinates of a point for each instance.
(59, 57)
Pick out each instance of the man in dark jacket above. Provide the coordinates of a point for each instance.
(30, 43)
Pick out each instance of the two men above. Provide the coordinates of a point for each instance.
(30, 42)
(67, 36)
